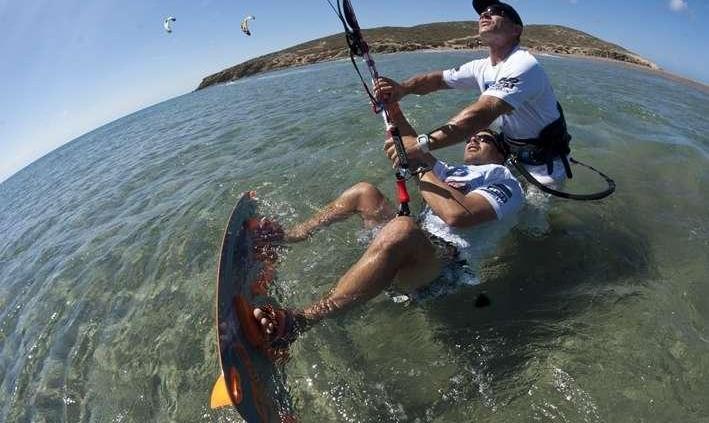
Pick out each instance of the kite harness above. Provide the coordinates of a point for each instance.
(552, 142)
(358, 47)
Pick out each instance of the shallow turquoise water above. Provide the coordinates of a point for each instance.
(600, 311)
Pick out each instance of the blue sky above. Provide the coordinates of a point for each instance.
(71, 66)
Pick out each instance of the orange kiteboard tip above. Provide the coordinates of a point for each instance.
(220, 392)
(220, 395)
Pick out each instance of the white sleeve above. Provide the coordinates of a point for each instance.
(518, 82)
(440, 169)
(505, 196)
(462, 77)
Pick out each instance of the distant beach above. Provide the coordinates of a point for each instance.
(440, 36)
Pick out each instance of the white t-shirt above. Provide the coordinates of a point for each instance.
(493, 182)
(519, 81)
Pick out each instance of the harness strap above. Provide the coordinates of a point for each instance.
(565, 162)
(553, 141)
(571, 196)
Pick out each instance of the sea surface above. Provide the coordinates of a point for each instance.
(599, 310)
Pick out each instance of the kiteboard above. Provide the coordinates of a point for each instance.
(250, 379)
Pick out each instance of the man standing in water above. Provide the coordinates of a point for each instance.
(516, 96)
(402, 254)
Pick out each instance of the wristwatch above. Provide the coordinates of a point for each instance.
(424, 142)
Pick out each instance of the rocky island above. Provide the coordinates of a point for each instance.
(441, 35)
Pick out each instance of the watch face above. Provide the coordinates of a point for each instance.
(423, 141)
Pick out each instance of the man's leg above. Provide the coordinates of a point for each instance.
(363, 199)
(401, 252)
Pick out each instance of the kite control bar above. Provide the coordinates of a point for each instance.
(358, 47)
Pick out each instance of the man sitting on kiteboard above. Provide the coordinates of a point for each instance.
(404, 254)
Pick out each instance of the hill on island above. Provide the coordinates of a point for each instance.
(441, 35)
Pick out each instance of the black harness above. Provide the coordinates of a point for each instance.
(551, 144)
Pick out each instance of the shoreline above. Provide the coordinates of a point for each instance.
(653, 71)
(650, 70)
(436, 36)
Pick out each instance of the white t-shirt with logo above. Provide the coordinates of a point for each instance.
(519, 81)
(493, 182)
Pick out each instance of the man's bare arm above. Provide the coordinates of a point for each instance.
(391, 91)
(407, 132)
(455, 208)
(468, 121)
(399, 119)
(425, 83)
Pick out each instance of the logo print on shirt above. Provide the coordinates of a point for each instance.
(459, 171)
(500, 192)
(504, 84)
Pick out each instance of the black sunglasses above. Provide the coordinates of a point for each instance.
(487, 138)
(494, 10)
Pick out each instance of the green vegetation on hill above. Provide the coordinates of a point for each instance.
(441, 35)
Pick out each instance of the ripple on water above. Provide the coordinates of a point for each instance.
(110, 244)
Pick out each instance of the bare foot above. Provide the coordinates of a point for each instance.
(266, 324)
(265, 230)
(281, 326)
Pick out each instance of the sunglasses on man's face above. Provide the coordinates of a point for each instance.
(487, 138)
(492, 11)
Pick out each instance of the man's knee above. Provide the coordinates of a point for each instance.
(365, 190)
(405, 225)
(398, 233)
(403, 241)
(367, 199)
